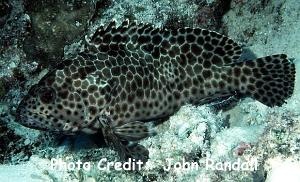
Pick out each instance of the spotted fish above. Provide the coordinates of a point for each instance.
(132, 73)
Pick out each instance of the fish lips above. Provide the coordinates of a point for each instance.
(24, 119)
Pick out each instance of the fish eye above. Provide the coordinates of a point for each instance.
(46, 95)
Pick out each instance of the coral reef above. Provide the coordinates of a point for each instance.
(53, 25)
(5, 9)
(13, 148)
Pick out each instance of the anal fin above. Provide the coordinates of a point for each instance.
(225, 103)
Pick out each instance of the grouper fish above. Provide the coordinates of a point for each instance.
(133, 73)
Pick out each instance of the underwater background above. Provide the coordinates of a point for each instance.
(37, 34)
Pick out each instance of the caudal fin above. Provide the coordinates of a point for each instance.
(269, 80)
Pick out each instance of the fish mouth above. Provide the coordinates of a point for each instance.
(24, 119)
(21, 116)
(29, 122)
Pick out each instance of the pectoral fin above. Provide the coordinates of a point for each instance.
(124, 138)
(134, 131)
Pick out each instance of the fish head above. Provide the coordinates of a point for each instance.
(43, 108)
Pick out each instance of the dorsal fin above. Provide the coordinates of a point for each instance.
(202, 43)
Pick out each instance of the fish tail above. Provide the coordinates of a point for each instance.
(269, 80)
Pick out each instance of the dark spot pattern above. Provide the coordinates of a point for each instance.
(137, 72)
